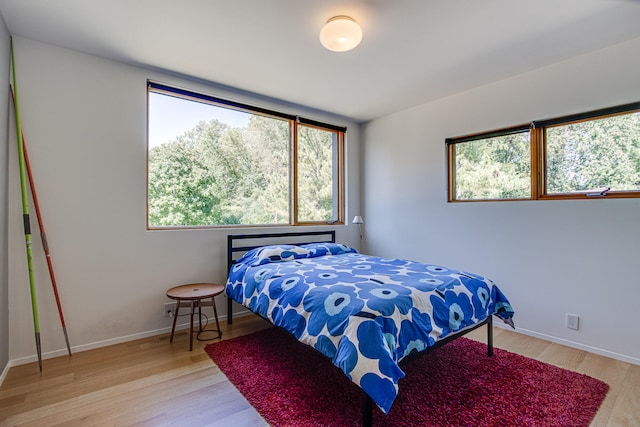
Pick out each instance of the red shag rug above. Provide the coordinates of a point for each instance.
(291, 384)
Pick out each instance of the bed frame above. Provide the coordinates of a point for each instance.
(235, 246)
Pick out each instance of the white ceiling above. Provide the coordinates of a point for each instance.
(413, 51)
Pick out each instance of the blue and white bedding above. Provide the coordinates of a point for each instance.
(364, 313)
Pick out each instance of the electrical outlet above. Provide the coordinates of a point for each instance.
(573, 321)
(169, 309)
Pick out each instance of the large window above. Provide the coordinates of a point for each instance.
(588, 155)
(214, 162)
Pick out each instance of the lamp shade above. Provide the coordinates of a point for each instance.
(357, 220)
(340, 34)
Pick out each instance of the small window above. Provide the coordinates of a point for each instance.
(317, 151)
(213, 162)
(593, 154)
(492, 166)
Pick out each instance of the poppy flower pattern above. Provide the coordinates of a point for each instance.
(364, 313)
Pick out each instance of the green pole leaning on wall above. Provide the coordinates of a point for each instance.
(25, 212)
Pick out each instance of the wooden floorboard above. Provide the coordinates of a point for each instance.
(151, 382)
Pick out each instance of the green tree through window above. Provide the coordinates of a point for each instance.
(231, 170)
(592, 154)
(315, 151)
(494, 168)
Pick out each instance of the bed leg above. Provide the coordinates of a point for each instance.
(367, 410)
(229, 312)
(490, 335)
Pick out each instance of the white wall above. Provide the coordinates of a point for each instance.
(5, 65)
(549, 257)
(84, 120)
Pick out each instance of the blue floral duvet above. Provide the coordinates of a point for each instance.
(364, 313)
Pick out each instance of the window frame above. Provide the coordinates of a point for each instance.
(538, 145)
(294, 121)
(338, 158)
(451, 159)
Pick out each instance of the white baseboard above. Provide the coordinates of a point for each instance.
(97, 344)
(105, 343)
(573, 344)
(5, 371)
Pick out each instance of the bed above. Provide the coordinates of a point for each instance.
(368, 315)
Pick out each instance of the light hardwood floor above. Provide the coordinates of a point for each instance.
(151, 382)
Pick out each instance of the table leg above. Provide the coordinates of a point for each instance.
(193, 308)
(175, 317)
(215, 311)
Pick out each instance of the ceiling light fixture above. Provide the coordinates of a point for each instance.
(340, 34)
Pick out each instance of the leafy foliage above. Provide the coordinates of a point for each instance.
(599, 153)
(315, 174)
(214, 174)
(494, 168)
(582, 156)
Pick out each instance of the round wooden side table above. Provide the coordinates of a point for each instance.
(194, 295)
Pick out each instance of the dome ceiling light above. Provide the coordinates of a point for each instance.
(340, 34)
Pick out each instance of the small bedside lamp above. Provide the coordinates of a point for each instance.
(358, 220)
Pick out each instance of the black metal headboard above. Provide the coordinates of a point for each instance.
(237, 243)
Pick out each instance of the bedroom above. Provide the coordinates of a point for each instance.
(90, 161)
